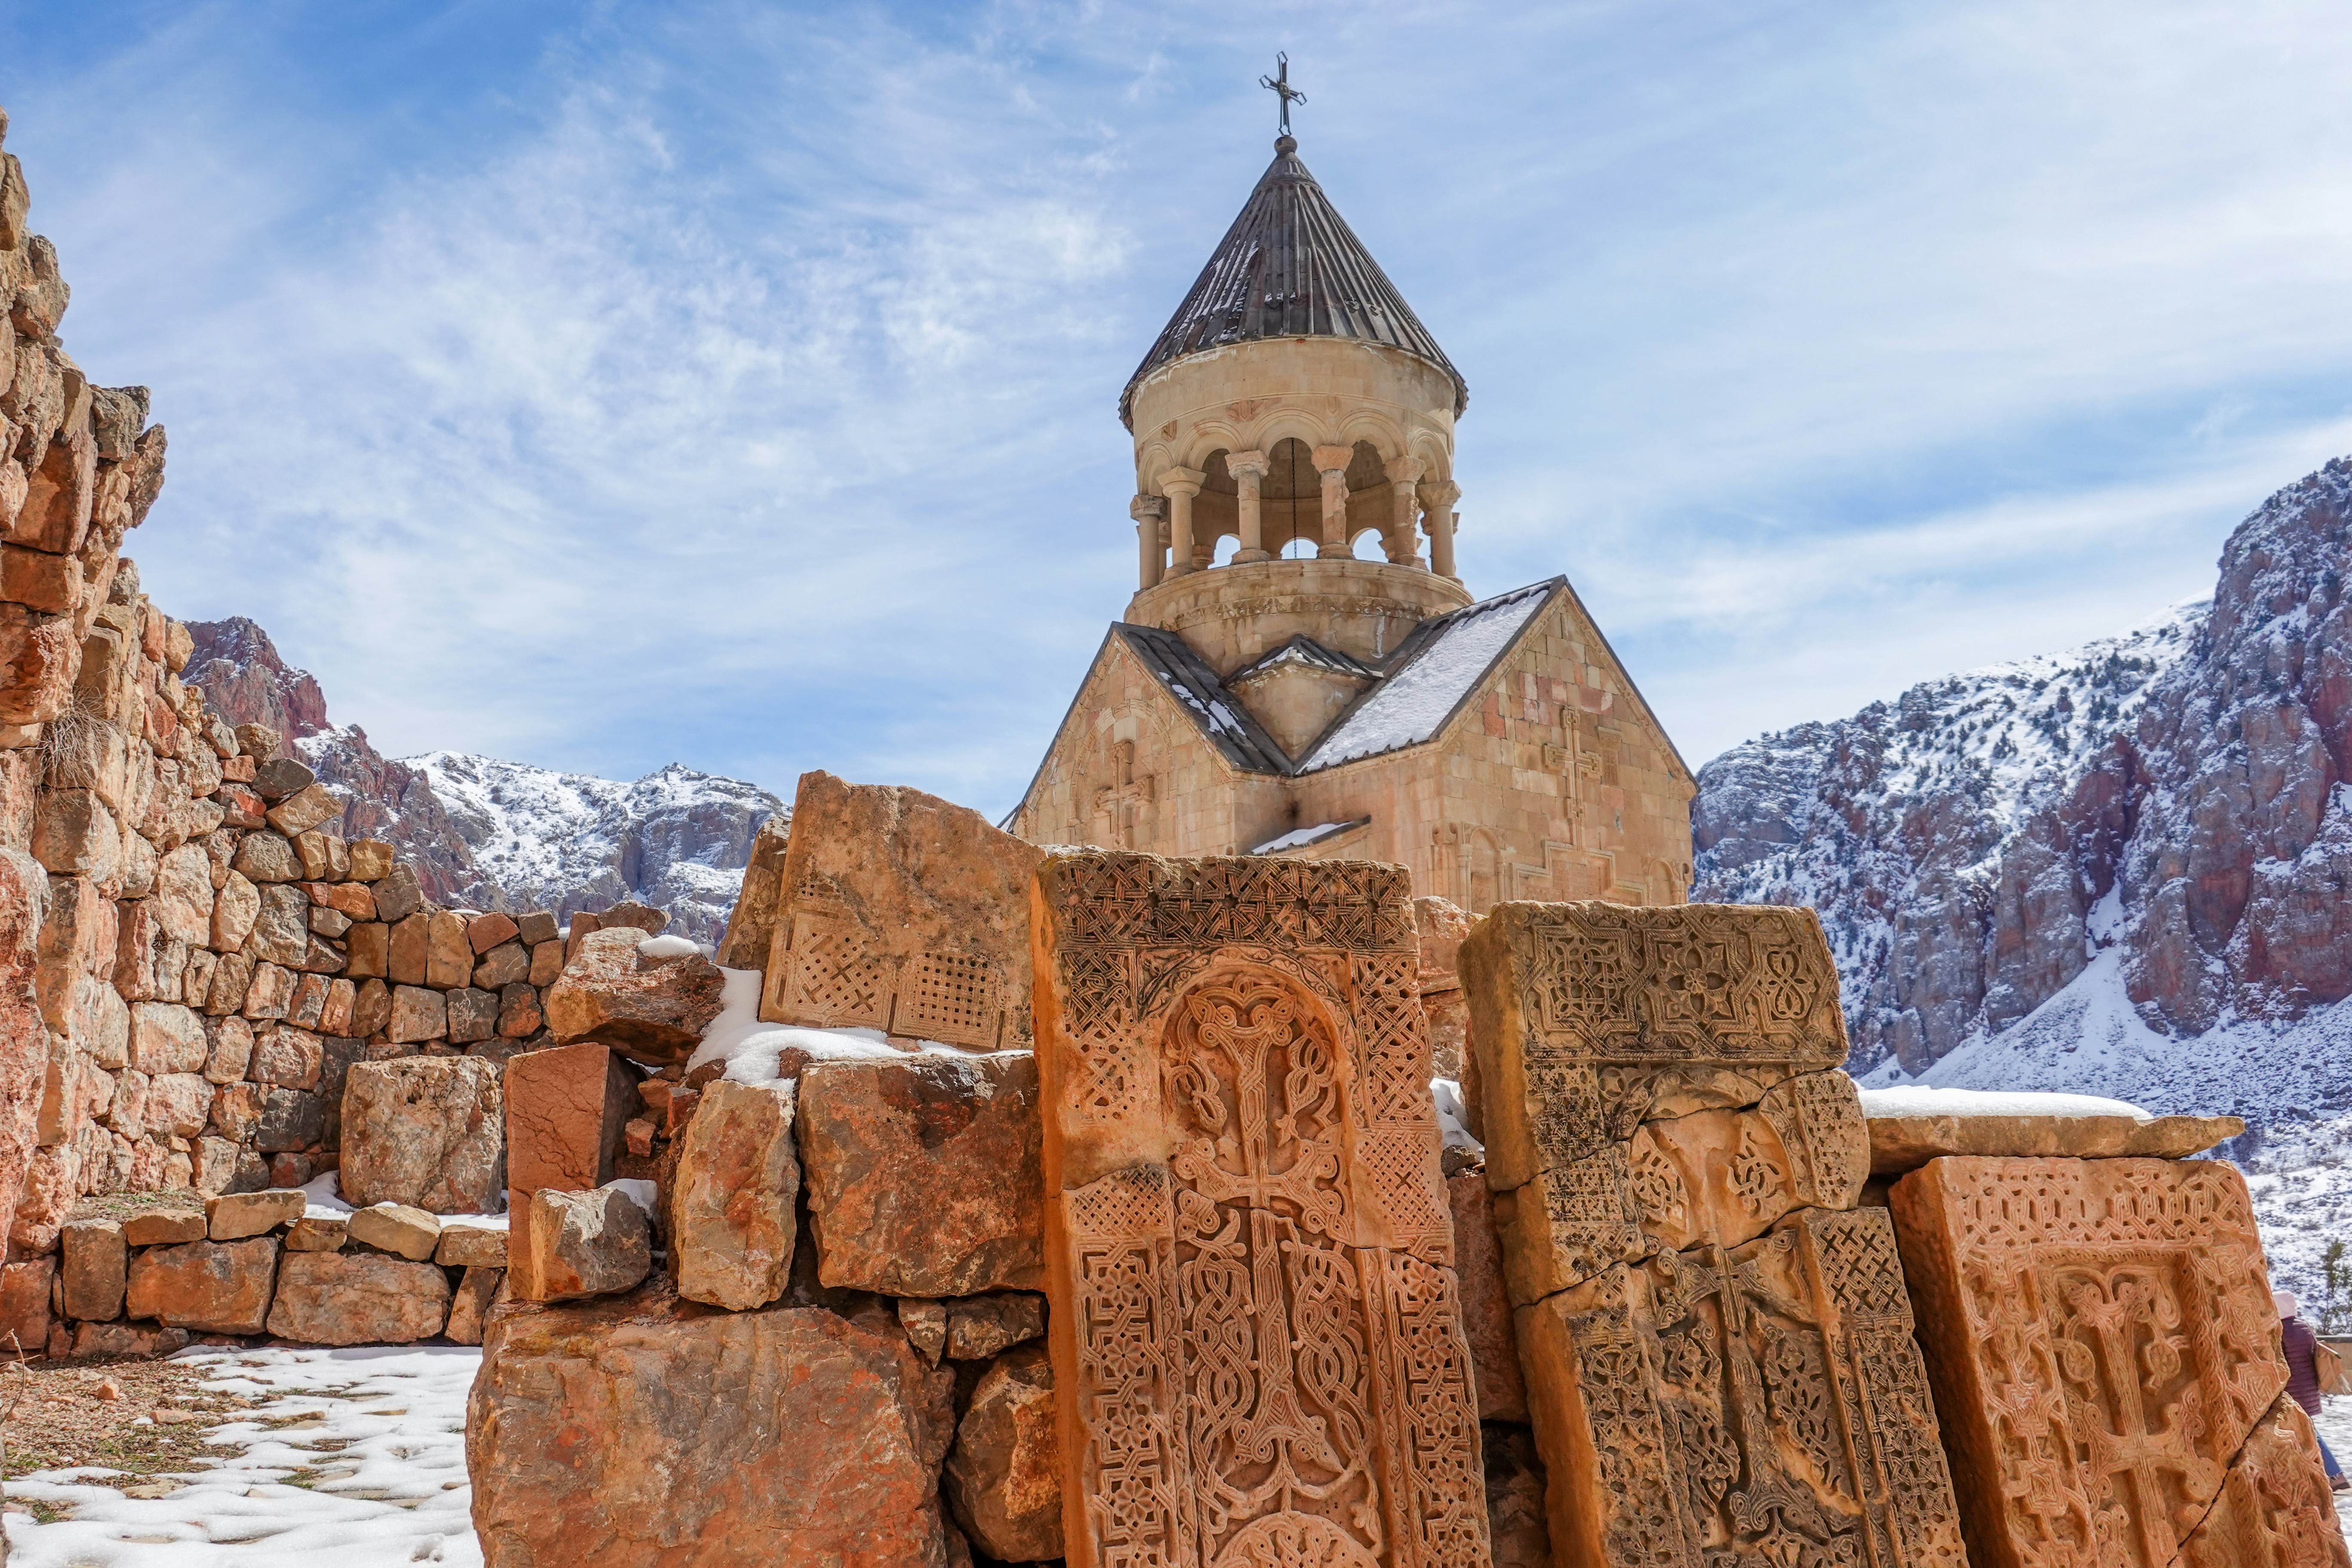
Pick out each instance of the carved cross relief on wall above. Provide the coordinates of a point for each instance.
(1252, 1254)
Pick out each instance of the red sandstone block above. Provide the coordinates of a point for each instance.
(566, 1106)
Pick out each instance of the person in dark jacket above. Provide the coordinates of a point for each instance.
(2302, 1347)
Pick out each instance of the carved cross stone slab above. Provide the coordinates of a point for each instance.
(2105, 1351)
(901, 912)
(1255, 1320)
(1717, 1344)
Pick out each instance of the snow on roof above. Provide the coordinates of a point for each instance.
(1414, 701)
(1299, 838)
(1304, 649)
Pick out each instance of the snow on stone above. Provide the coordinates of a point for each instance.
(753, 1049)
(1453, 1121)
(1298, 837)
(322, 1197)
(676, 839)
(1408, 707)
(1926, 1100)
(380, 1460)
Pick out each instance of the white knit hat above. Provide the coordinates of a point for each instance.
(2285, 1302)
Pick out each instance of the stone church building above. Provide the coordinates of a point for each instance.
(1301, 672)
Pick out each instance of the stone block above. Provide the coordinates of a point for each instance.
(25, 1288)
(902, 912)
(546, 963)
(304, 810)
(473, 1015)
(424, 1131)
(96, 1267)
(470, 1308)
(926, 1323)
(752, 923)
(281, 933)
(231, 1216)
(73, 833)
(159, 1228)
(2274, 1505)
(349, 899)
(292, 1120)
(732, 1198)
(1667, 1393)
(503, 966)
(213, 1286)
(1675, 1164)
(339, 1008)
(980, 1327)
(282, 778)
(410, 943)
(167, 1038)
(371, 860)
(370, 1009)
(923, 1172)
(1004, 1473)
(229, 1053)
(575, 1245)
(538, 926)
(520, 1016)
(267, 857)
(184, 894)
(398, 894)
(285, 1058)
(652, 1008)
(318, 1232)
(1910, 1126)
(484, 932)
(270, 994)
(1235, 1082)
(471, 1247)
(1486, 1302)
(565, 1107)
(358, 1298)
(397, 1228)
(126, 1342)
(417, 1014)
(2082, 1413)
(309, 1008)
(368, 948)
(645, 1429)
(449, 959)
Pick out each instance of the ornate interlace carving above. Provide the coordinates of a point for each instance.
(2113, 1319)
(1266, 1329)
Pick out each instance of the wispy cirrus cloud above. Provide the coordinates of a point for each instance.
(733, 382)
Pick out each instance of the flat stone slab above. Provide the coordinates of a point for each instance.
(1909, 1127)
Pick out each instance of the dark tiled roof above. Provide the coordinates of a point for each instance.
(1290, 267)
(1240, 739)
(1304, 649)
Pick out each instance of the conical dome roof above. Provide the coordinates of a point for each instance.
(1290, 267)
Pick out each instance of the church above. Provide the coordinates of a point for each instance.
(1301, 671)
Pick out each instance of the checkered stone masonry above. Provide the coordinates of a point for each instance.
(1250, 1249)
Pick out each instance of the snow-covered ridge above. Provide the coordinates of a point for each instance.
(676, 839)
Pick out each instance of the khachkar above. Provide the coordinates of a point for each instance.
(1717, 1343)
(1254, 1314)
(2107, 1356)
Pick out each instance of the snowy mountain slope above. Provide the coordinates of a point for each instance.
(1913, 828)
(486, 834)
(2124, 870)
(676, 838)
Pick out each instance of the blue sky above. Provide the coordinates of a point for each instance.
(605, 385)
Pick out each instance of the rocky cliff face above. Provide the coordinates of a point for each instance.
(2123, 869)
(494, 834)
(2171, 795)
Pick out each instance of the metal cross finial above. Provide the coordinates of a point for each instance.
(1279, 85)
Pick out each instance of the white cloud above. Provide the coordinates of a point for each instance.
(735, 383)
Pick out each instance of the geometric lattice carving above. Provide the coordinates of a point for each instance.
(2104, 1353)
(901, 913)
(1717, 1343)
(1254, 1308)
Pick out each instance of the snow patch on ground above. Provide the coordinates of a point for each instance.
(374, 1434)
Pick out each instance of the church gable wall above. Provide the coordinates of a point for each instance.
(1132, 771)
(1555, 784)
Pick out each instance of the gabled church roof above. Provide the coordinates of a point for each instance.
(1290, 267)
